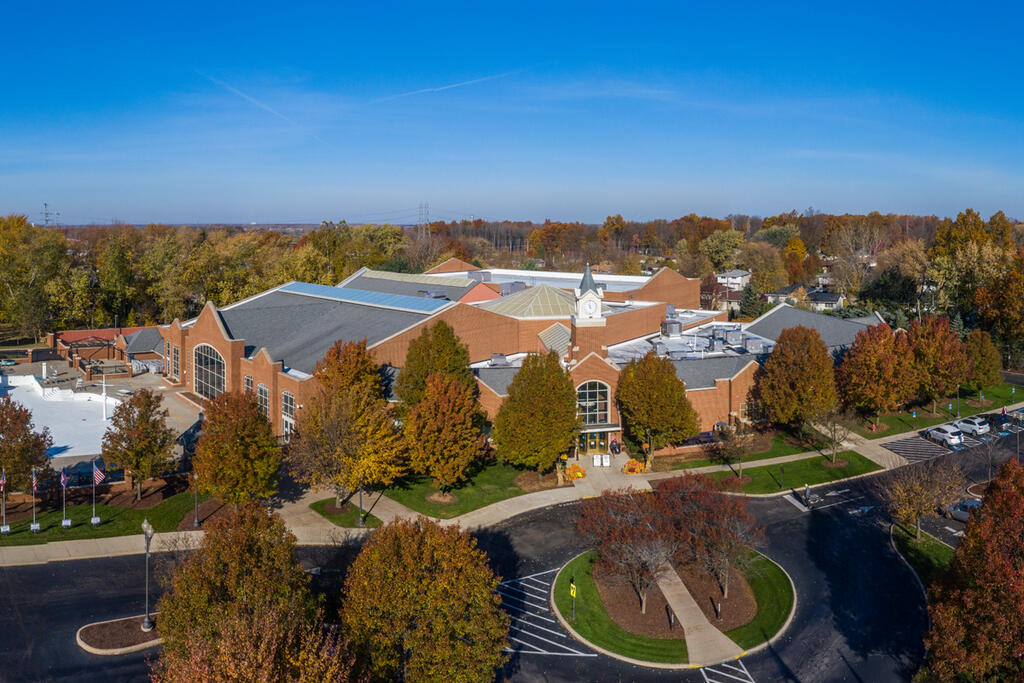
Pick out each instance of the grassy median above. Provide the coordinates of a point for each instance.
(929, 557)
(349, 518)
(774, 594)
(796, 473)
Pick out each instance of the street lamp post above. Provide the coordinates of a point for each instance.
(195, 485)
(147, 530)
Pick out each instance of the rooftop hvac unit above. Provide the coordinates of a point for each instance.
(505, 289)
(660, 348)
(518, 286)
(753, 345)
(486, 275)
(733, 337)
(477, 275)
(498, 360)
(671, 328)
(718, 345)
(670, 310)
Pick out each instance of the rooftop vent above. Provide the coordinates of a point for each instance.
(498, 360)
(433, 293)
(671, 328)
(670, 310)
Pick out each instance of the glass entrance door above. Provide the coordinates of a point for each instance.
(592, 442)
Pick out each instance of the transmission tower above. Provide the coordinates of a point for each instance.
(424, 218)
(47, 214)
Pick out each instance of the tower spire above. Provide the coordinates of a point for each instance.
(587, 283)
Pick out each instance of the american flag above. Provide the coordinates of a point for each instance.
(97, 475)
(3, 479)
(35, 482)
(63, 479)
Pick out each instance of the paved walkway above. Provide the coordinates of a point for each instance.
(705, 644)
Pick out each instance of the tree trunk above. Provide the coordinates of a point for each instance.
(138, 490)
(643, 602)
(560, 473)
(725, 585)
(918, 525)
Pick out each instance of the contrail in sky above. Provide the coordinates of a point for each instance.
(265, 107)
(449, 86)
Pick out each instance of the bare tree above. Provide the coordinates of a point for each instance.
(834, 423)
(914, 492)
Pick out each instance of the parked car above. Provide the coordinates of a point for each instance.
(946, 434)
(7, 362)
(1000, 423)
(961, 510)
(975, 426)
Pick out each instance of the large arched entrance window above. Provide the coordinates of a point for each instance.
(592, 403)
(208, 371)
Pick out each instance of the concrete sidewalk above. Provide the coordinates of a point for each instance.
(705, 644)
(89, 548)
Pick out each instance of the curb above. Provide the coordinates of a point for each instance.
(669, 665)
(113, 651)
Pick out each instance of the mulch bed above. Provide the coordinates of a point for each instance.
(209, 510)
(534, 481)
(733, 482)
(623, 606)
(978, 490)
(739, 609)
(117, 634)
(838, 463)
(880, 428)
(977, 403)
(438, 498)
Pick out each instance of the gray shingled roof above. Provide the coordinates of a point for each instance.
(702, 373)
(146, 340)
(298, 330)
(376, 281)
(497, 379)
(837, 333)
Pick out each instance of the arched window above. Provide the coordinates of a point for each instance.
(287, 413)
(208, 371)
(263, 399)
(592, 403)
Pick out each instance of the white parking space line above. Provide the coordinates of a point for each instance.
(953, 531)
(531, 631)
(797, 504)
(726, 672)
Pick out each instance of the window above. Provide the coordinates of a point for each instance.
(175, 362)
(263, 399)
(751, 411)
(592, 403)
(208, 369)
(287, 413)
(248, 383)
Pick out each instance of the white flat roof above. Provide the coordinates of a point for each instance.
(560, 279)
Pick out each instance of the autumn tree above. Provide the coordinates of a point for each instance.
(977, 609)
(938, 358)
(917, 491)
(983, 359)
(720, 248)
(436, 350)
(1000, 304)
(732, 445)
(240, 608)
(653, 404)
(536, 422)
(443, 431)
(797, 381)
(138, 438)
(421, 604)
(633, 536)
(237, 456)
(876, 374)
(346, 435)
(21, 447)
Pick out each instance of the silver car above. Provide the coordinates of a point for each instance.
(961, 510)
(946, 434)
(975, 426)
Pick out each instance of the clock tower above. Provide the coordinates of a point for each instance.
(588, 302)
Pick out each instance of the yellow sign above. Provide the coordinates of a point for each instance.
(572, 590)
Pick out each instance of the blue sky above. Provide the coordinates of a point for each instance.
(298, 112)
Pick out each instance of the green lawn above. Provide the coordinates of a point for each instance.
(593, 623)
(812, 470)
(781, 446)
(491, 483)
(904, 421)
(929, 557)
(774, 595)
(116, 521)
(348, 518)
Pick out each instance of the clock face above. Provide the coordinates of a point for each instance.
(590, 307)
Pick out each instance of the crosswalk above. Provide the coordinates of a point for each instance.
(727, 672)
(915, 449)
(534, 630)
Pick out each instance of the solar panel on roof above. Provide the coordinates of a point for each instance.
(359, 296)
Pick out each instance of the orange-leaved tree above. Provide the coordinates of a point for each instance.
(138, 438)
(240, 608)
(939, 359)
(443, 431)
(237, 456)
(21, 447)
(977, 608)
(420, 603)
(797, 382)
(876, 376)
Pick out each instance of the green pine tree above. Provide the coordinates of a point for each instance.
(750, 301)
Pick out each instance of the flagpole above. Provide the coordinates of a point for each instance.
(64, 486)
(94, 487)
(33, 496)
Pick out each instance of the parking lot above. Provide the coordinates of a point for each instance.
(920, 448)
